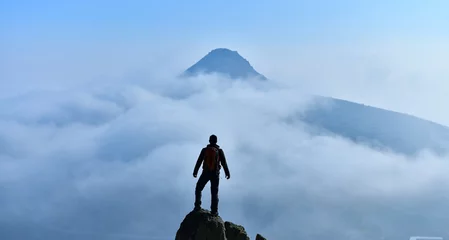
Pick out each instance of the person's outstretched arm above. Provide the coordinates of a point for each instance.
(224, 163)
(198, 163)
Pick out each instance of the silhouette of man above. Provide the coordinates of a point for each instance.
(212, 156)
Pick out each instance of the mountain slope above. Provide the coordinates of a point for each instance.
(377, 128)
(226, 62)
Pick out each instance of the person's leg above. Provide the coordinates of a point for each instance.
(202, 181)
(214, 182)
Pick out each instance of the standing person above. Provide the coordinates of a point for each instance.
(212, 157)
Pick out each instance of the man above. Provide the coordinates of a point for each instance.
(212, 156)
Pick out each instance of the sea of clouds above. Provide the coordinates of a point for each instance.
(114, 160)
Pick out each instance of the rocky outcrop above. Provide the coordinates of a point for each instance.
(202, 225)
(260, 237)
(235, 232)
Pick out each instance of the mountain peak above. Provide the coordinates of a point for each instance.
(226, 62)
(223, 51)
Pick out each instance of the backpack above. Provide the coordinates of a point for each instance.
(211, 158)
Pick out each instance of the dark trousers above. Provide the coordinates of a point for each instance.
(214, 178)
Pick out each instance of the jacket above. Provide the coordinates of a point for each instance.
(222, 160)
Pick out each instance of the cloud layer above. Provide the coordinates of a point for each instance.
(114, 161)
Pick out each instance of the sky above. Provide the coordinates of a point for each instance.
(64, 43)
(98, 136)
(156, 21)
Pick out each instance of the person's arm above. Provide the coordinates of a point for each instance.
(198, 163)
(224, 163)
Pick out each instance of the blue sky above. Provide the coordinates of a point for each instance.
(52, 44)
(263, 21)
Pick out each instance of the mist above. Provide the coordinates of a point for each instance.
(112, 158)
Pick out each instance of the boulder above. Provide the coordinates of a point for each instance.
(235, 232)
(202, 225)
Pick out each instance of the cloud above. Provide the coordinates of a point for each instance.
(401, 74)
(114, 161)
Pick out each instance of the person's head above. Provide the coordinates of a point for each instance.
(213, 139)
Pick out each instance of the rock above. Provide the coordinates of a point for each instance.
(201, 225)
(260, 237)
(235, 232)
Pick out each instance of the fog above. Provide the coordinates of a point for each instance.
(113, 159)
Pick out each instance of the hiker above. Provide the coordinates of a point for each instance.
(211, 156)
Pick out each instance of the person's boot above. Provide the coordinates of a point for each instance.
(197, 203)
(197, 206)
(214, 212)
